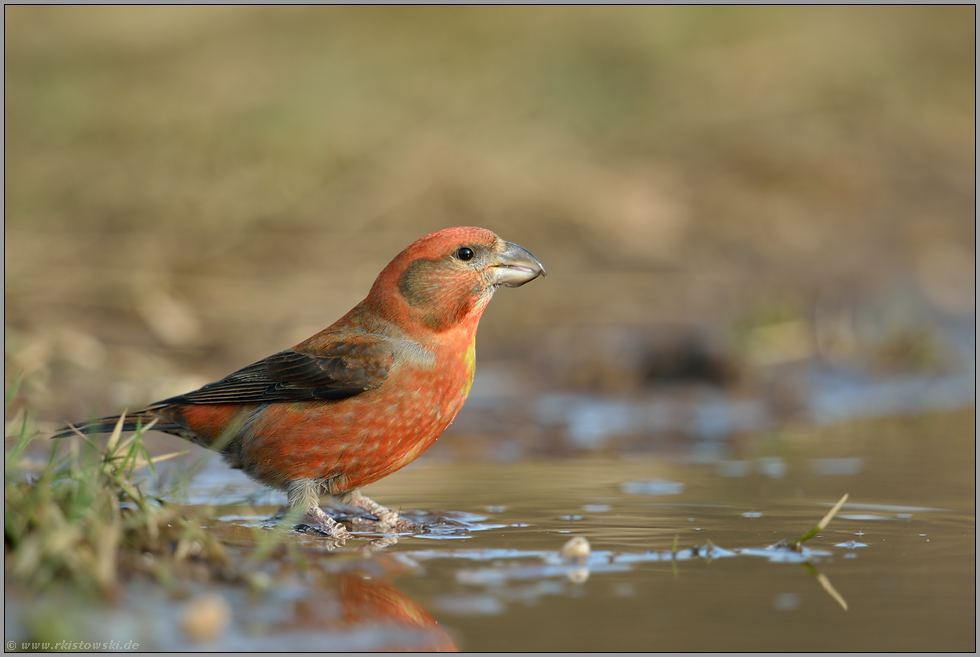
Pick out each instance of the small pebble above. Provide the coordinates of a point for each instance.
(576, 549)
(206, 617)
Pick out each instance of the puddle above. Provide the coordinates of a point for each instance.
(683, 557)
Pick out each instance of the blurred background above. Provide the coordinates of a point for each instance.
(749, 216)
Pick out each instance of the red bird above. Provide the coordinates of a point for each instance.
(364, 397)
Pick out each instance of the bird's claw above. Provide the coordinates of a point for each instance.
(317, 520)
(387, 520)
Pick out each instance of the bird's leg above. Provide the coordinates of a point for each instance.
(304, 498)
(387, 519)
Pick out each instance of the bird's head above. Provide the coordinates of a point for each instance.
(447, 278)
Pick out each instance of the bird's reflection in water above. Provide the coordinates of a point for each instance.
(369, 601)
(360, 613)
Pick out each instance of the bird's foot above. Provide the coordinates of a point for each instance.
(388, 520)
(317, 520)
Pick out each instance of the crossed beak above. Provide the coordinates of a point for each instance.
(515, 266)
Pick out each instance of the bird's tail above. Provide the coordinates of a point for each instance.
(132, 422)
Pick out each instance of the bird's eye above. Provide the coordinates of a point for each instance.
(465, 254)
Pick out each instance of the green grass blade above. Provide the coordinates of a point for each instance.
(823, 522)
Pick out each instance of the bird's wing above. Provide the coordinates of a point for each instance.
(333, 370)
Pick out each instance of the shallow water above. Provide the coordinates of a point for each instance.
(681, 555)
(901, 553)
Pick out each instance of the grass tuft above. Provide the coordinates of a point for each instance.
(84, 519)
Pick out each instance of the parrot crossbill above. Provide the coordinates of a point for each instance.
(365, 396)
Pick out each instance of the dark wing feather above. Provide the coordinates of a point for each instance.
(336, 370)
